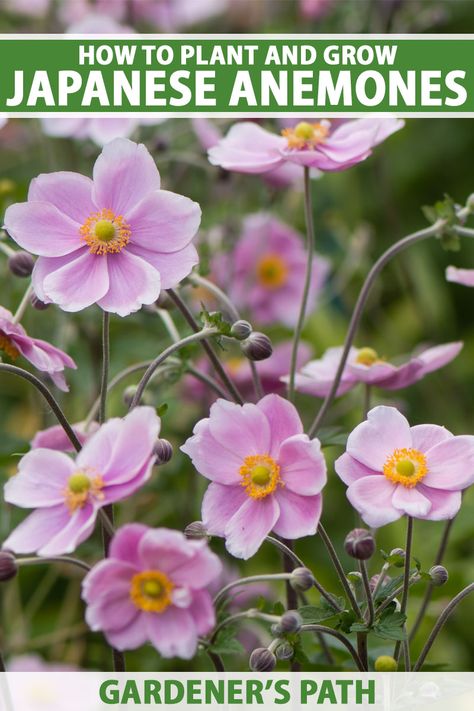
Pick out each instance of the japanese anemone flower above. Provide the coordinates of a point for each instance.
(115, 240)
(392, 469)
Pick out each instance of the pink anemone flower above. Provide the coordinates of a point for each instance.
(14, 341)
(55, 437)
(392, 469)
(67, 494)
(100, 130)
(249, 148)
(265, 473)
(115, 240)
(264, 273)
(460, 276)
(315, 9)
(365, 366)
(152, 587)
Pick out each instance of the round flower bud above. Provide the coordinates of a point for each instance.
(284, 651)
(38, 304)
(385, 664)
(374, 581)
(196, 529)
(354, 577)
(439, 575)
(276, 630)
(257, 346)
(163, 451)
(262, 660)
(21, 264)
(290, 621)
(360, 544)
(241, 330)
(8, 566)
(301, 579)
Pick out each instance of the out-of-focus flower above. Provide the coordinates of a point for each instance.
(3, 121)
(55, 437)
(364, 365)
(14, 341)
(265, 473)
(67, 494)
(249, 148)
(35, 663)
(99, 130)
(315, 9)
(96, 23)
(393, 469)
(460, 276)
(264, 273)
(115, 240)
(32, 8)
(152, 587)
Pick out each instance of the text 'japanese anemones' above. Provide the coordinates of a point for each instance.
(153, 588)
(266, 474)
(393, 469)
(115, 240)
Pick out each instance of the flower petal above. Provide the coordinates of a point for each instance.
(444, 504)
(350, 469)
(427, 436)
(411, 501)
(41, 479)
(79, 283)
(248, 148)
(213, 460)
(70, 193)
(202, 611)
(172, 266)
(283, 419)
(372, 497)
(173, 633)
(299, 515)
(302, 465)
(130, 636)
(243, 428)
(219, 504)
(250, 525)
(42, 229)
(460, 276)
(374, 440)
(451, 464)
(37, 529)
(124, 545)
(132, 283)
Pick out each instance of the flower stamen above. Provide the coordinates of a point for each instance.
(7, 347)
(272, 271)
(367, 356)
(81, 488)
(260, 476)
(306, 135)
(406, 467)
(105, 232)
(151, 591)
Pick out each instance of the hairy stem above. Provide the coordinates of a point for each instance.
(368, 593)
(53, 559)
(333, 633)
(19, 313)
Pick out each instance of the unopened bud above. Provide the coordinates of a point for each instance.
(8, 566)
(284, 651)
(290, 622)
(21, 264)
(374, 581)
(301, 579)
(354, 577)
(257, 346)
(241, 330)
(38, 304)
(163, 451)
(360, 544)
(439, 575)
(196, 529)
(262, 660)
(385, 664)
(398, 555)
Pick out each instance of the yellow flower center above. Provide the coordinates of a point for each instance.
(81, 488)
(151, 591)
(260, 476)
(234, 365)
(7, 347)
(406, 467)
(105, 232)
(367, 356)
(306, 135)
(272, 271)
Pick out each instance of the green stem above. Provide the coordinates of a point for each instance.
(105, 367)
(53, 559)
(368, 593)
(247, 581)
(19, 313)
(333, 633)
(406, 579)
(307, 282)
(339, 570)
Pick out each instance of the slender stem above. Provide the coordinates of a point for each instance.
(340, 637)
(251, 614)
(368, 593)
(216, 660)
(248, 581)
(8, 251)
(440, 623)
(362, 649)
(406, 578)
(19, 313)
(291, 594)
(429, 591)
(220, 295)
(339, 569)
(414, 579)
(207, 380)
(193, 338)
(380, 580)
(308, 205)
(168, 324)
(53, 559)
(285, 549)
(174, 296)
(105, 366)
(361, 301)
(48, 396)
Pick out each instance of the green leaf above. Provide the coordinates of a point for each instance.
(333, 436)
(359, 627)
(390, 625)
(226, 642)
(313, 615)
(162, 409)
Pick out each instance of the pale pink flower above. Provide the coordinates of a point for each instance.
(460, 276)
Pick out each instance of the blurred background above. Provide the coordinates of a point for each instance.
(358, 214)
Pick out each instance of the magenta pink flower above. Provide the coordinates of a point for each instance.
(152, 588)
(315, 9)
(67, 494)
(266, 474)
(264, 274)
(460, 276)
(365, 366)
(393, 469)
(249, 148)
(115, 240)
(100, 130)
(55, 437)
(14, 341)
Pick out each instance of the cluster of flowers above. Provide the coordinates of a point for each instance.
(117, 241)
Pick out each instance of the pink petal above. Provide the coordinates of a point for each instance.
(299, 515)
(132, 283)
(70, 193)
(243, 428)
(302, 465)
(213, 460)
(173, 633)
(104, 130)
(202, 612)
(374, 440)
(439, 356)
(173, 266)
(283, 419)
(119, 492)
(37, 529)
(198, 572)
(103, 575)
(41, 479)
(427, 436)
(124, 174)
(125, 543)
(219, 504)
(130, 636)
(372, 496)
(42, 229)
(248, 148)
(78, 284)
(250, 525)
(411, 501)
(164, 221)
(79, 527)
(164, 549)
(43, 267)
(350, 469)
(451, 464)
(113, 610)
(444, 504)
(460, 276)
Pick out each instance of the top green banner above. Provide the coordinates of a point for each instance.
(245, 75)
